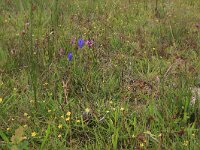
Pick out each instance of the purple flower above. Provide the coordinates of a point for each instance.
(69, 55)
(73, 40)
(80, 43)
(61, 51)
(89, 43)
(197, 25)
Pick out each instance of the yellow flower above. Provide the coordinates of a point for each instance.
(8, 129)
(87, 110)
(1, 100)
(25, 114)
(78, 121)
(15, 89)
(160, 135)
(68, 113)
(60, 126)
(33, 134)
(185, 143)
(122, 109)
(25, 126)
(141, 144)
(59, 135)
(193, 135)
(67, 119)
(111, 102)
(62, 117)
(49, 110)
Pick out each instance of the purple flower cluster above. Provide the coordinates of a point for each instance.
(81, 43)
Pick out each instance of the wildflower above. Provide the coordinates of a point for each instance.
(133, 136)
(60, 126)
(15, 89)
(31, 101)
(73, 40)
(8, 129)
(61, 51)
(160, 135)
(185, 143)
(62, 117)
(89, 43)
(69, 55)
(80, 43)
(87, 110)
(122, 109)
(110, 102)
(49, 111)
(67, 119)
(141, 144)
(197, 25)
(25, 126)
(1, 100)
(107, 111)
(59, 135)
(68, 113)
(78, 121)
(193, 135)
(25, 114)
(33, 134)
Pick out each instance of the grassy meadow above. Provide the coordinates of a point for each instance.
(99, 74)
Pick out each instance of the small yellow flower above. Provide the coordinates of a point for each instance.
(62, 117)
(67, 119)
(160, 135)
(25, 114)
(193, 135)
(78, 121)
(8, 129)
(185, 143)
(122, 109)
(25, 126)
(59, 135)
(141, 144)
(107, 111)
(1, 100)
(15, 89)
(60, 126)
(133, 136)
(12, 119)
(31, 101)
(49, 110)
(68, 113)
(111, 102)
(87, 110)
(33, 134)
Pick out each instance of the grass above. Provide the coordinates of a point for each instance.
(130, 90)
